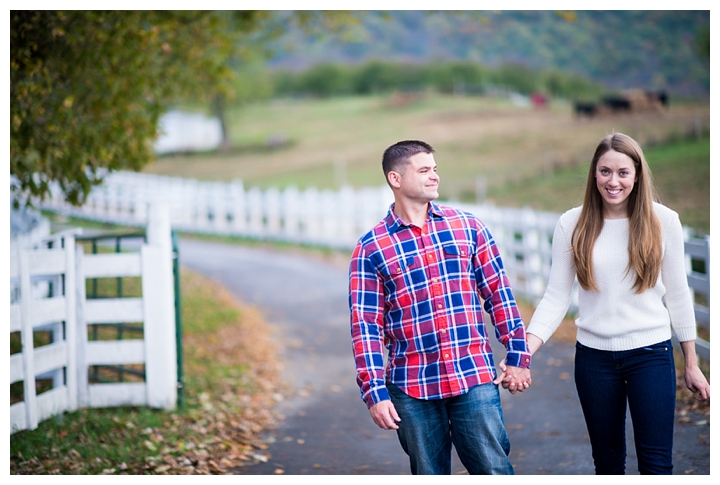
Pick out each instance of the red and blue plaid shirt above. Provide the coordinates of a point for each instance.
(417, 292)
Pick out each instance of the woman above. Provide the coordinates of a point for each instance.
(627, 252)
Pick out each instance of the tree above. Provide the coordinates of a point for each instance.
(254, 46)
(87, 88)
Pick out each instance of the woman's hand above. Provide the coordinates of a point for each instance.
(697, 383)
(694, 378)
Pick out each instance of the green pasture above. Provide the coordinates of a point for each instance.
(526, 156)
(681, 172)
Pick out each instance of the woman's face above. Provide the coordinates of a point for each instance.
(615, 178)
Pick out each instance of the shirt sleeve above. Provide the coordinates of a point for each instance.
(499, 300)
(678, 298)
(555, 302)
(367, 301)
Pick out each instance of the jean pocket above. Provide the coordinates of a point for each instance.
(659, 347)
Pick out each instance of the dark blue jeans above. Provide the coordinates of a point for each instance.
(473, 422)
(643, 378)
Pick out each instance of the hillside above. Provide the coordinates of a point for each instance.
(621, 49)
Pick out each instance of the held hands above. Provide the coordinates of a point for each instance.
(513, 379)
(384, 415)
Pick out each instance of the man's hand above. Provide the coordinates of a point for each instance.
(513, 379)
(384, 415)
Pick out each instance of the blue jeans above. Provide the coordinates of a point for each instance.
(643, 378)
(473, 422)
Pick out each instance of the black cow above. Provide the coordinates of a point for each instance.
(583, 108)
(617, 103)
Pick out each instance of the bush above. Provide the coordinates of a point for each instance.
(466, 77)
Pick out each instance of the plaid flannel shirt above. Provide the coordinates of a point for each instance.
(417, 292)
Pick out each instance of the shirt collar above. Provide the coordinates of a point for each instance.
(394, 223)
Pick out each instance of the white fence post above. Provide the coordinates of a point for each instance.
(71, 335)
(290, 212)
(159, 310)
(81, 347)
(26, 337)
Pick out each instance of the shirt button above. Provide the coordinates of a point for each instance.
(447, 356)
(442, 330)
(434, 280)
(439, 305)
(399, 270)
(430, 256)
(462, 253)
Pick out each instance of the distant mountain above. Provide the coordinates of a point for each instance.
(620, 49)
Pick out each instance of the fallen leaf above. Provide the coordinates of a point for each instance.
(260, 458)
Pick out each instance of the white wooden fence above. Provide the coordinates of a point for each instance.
(47, 280)
(315, 217)
(338, 219)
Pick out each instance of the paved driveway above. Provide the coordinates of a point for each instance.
(327, 429)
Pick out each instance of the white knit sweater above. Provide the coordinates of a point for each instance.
(616, 318)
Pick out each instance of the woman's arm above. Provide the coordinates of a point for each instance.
(694, 378)
(534, 343)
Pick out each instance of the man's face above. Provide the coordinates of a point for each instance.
(420, 180)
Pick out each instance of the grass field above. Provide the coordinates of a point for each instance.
(681, 172)
(339, 141)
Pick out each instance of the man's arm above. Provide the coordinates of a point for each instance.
(499, 302)
(366, 299)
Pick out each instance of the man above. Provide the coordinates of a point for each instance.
(416, 280)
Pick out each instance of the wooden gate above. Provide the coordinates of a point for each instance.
(51, 319)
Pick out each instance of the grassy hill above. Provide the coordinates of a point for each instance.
(534, 157)
(619, 48)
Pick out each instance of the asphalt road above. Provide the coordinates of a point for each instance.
(326, 428)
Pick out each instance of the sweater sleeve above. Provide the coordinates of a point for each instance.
(556, 300)
(678, 298)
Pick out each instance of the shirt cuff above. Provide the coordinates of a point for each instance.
(518, 359)
(686, 333)
(377, 395)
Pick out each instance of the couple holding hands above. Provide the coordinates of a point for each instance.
(421, 278)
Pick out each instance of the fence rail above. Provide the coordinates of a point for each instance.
(337, 219)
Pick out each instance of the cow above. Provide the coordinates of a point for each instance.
(631, 100)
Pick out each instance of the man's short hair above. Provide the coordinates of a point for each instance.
(397, 156)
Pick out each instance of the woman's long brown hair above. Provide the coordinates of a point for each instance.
(645, 242)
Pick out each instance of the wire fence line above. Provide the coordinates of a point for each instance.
(337, 219)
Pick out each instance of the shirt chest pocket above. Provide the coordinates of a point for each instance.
(404, 273)
(456, 257)
(403, 266)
